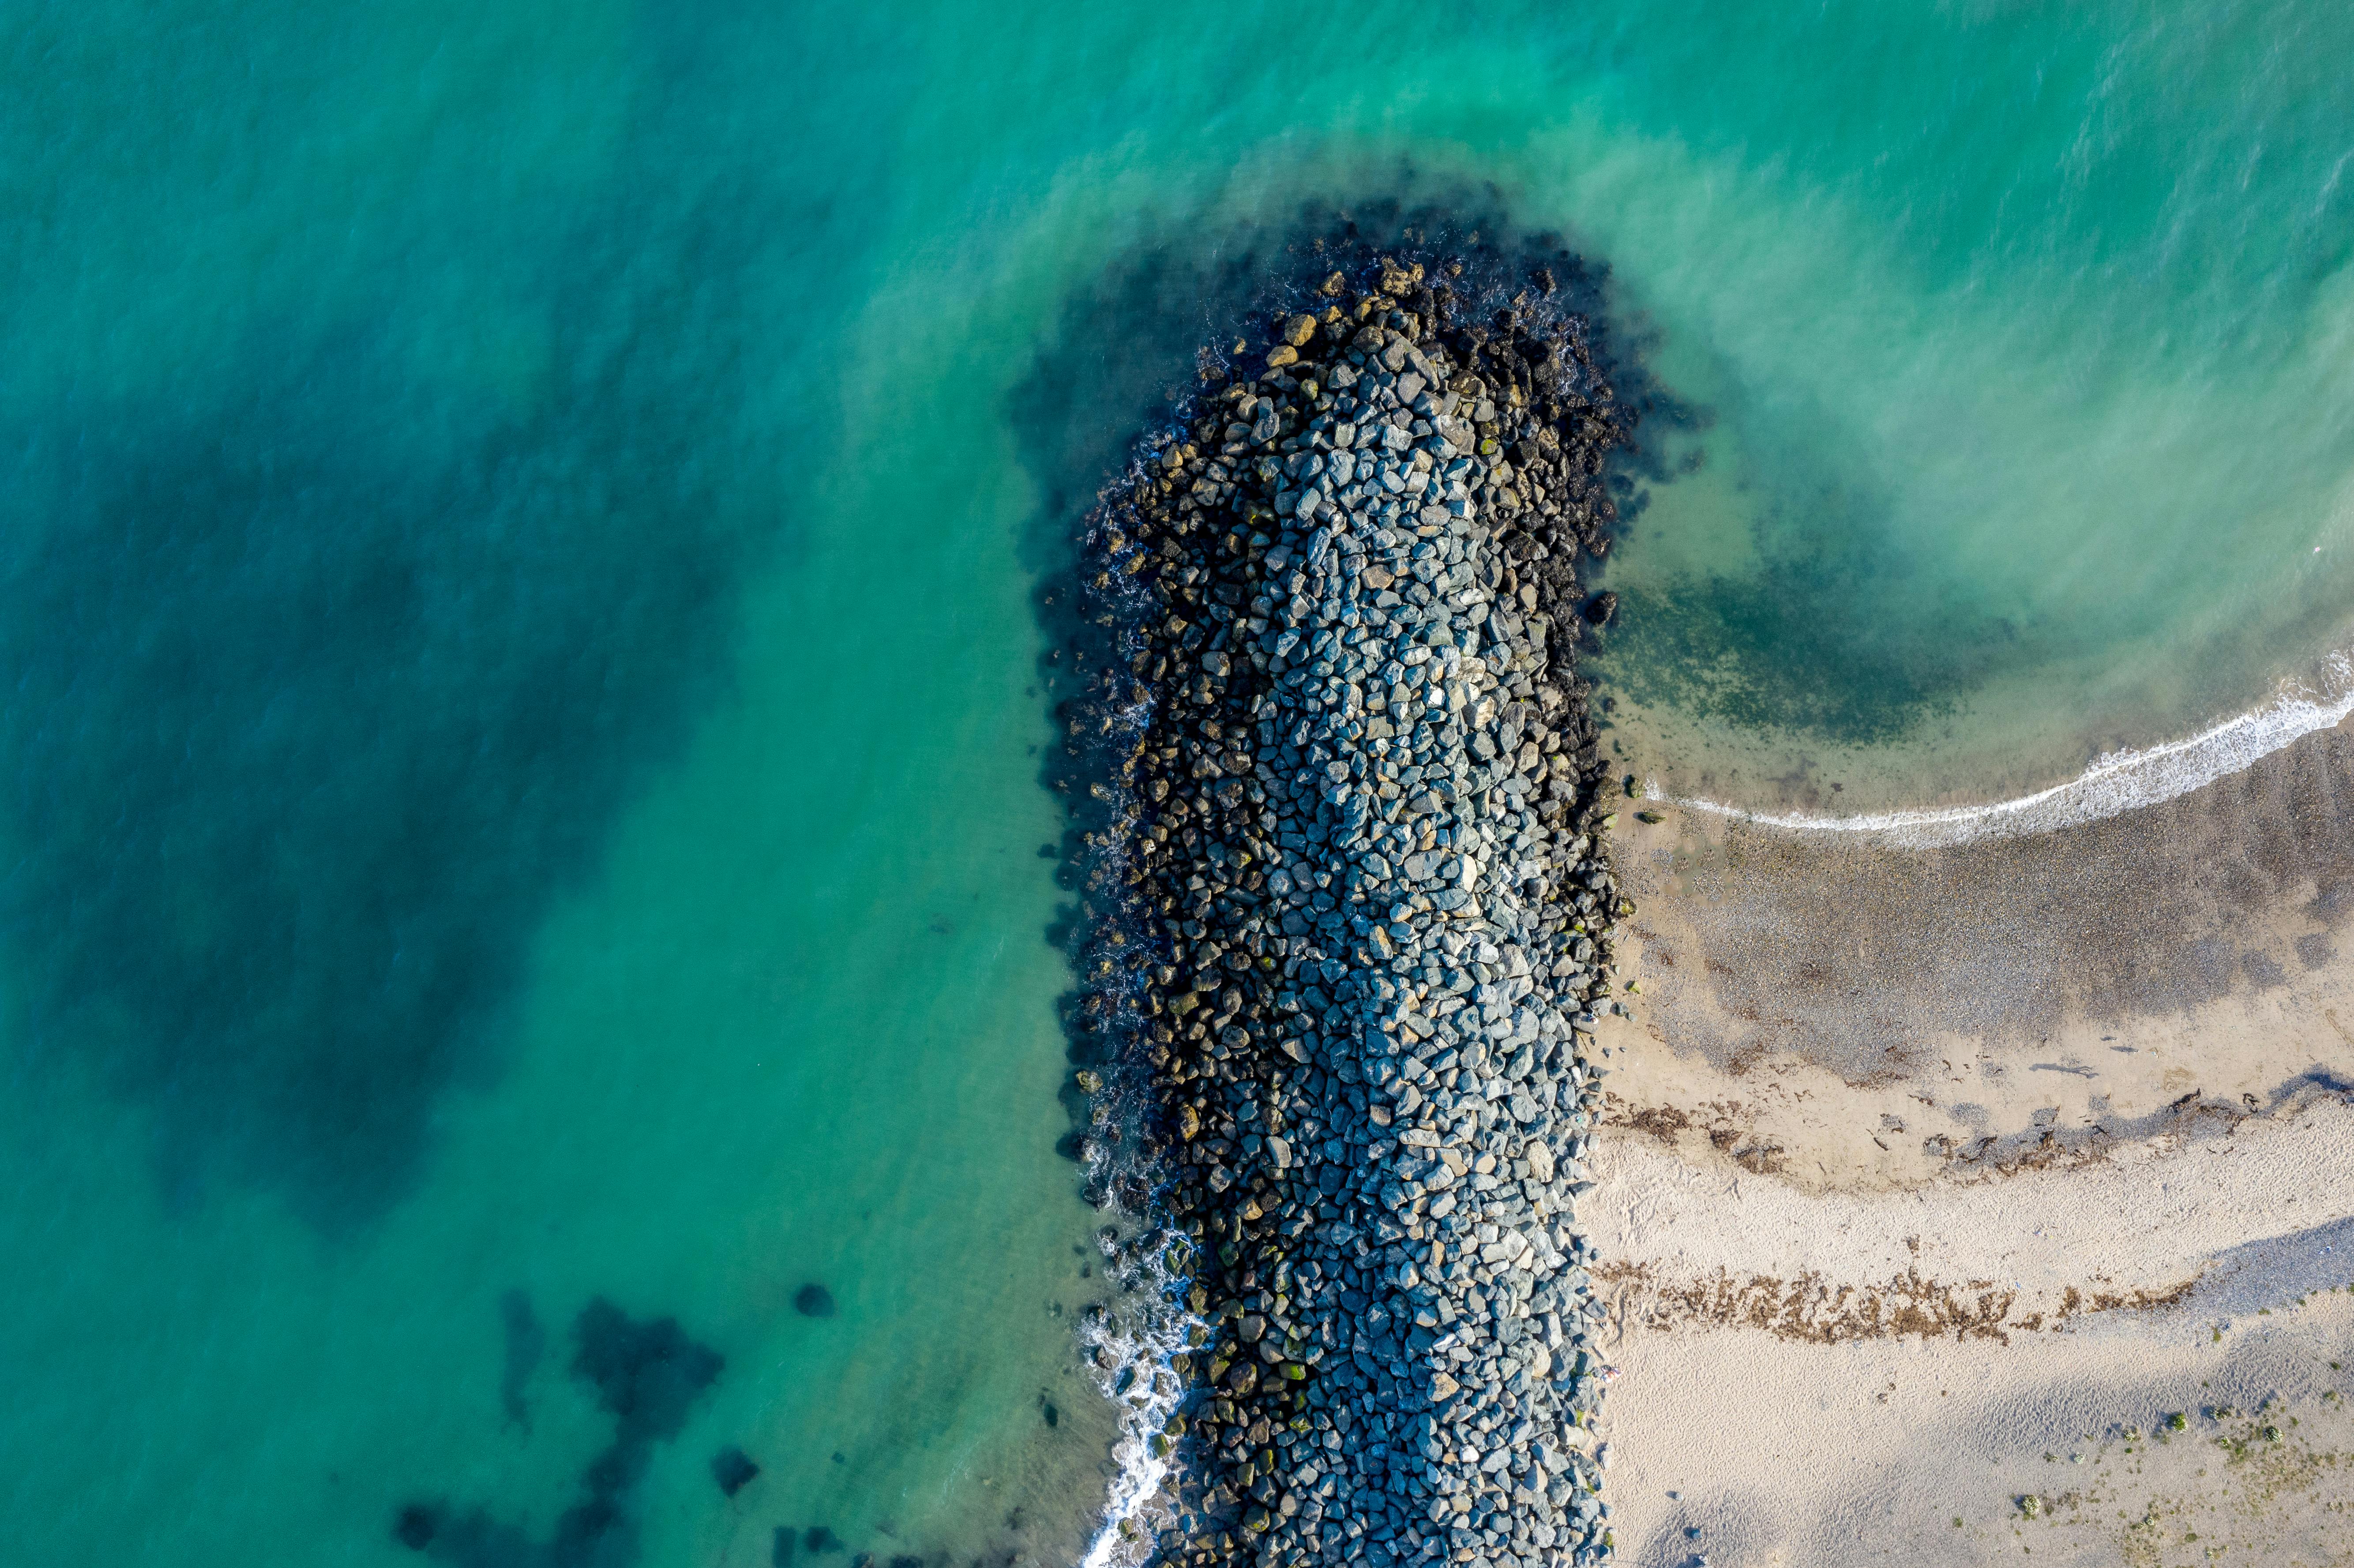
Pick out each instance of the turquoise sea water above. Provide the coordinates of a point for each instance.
(522, 690)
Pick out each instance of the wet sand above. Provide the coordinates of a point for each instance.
(1922, 1163)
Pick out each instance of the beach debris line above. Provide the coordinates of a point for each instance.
(1347, 919)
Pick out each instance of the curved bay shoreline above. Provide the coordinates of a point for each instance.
(1347, 915)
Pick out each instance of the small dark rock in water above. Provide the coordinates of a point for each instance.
(734, 1470)
(813, 1301)
(863, 1560)
(1053, 1416)
(907, 1562)
(818, 1538)
(781, 1546)
(1048, 851)
(1601, 608)
(417, 1526)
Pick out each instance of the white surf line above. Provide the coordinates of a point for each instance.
(1145, 1409)
(2115, 781)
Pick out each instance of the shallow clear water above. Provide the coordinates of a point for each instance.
(522, 687)
(2028, 367)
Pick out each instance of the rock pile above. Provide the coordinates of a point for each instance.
(1349, 920)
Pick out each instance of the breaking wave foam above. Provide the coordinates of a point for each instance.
(1135, 1373)
(2116, 782)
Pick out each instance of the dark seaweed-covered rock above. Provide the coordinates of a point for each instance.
(647, 1374)
(813, 1301)
(733, 1469)
(416, 1526)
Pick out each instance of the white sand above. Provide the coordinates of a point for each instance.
(1835, 1379)
(1930, 1175)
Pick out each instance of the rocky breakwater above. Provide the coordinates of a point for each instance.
(1350, 927)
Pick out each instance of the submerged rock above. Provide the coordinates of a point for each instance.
(733, 1469)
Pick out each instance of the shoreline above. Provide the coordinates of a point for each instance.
(1344, 919)
(1993, 1004)
(2113, 783)
(1950, 1174)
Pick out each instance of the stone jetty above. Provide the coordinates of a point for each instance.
(1347, 917)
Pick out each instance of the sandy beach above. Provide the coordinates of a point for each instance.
(1934, 1182)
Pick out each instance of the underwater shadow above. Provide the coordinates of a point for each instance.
(648, 1375)
(307, 728)
(331, 665)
